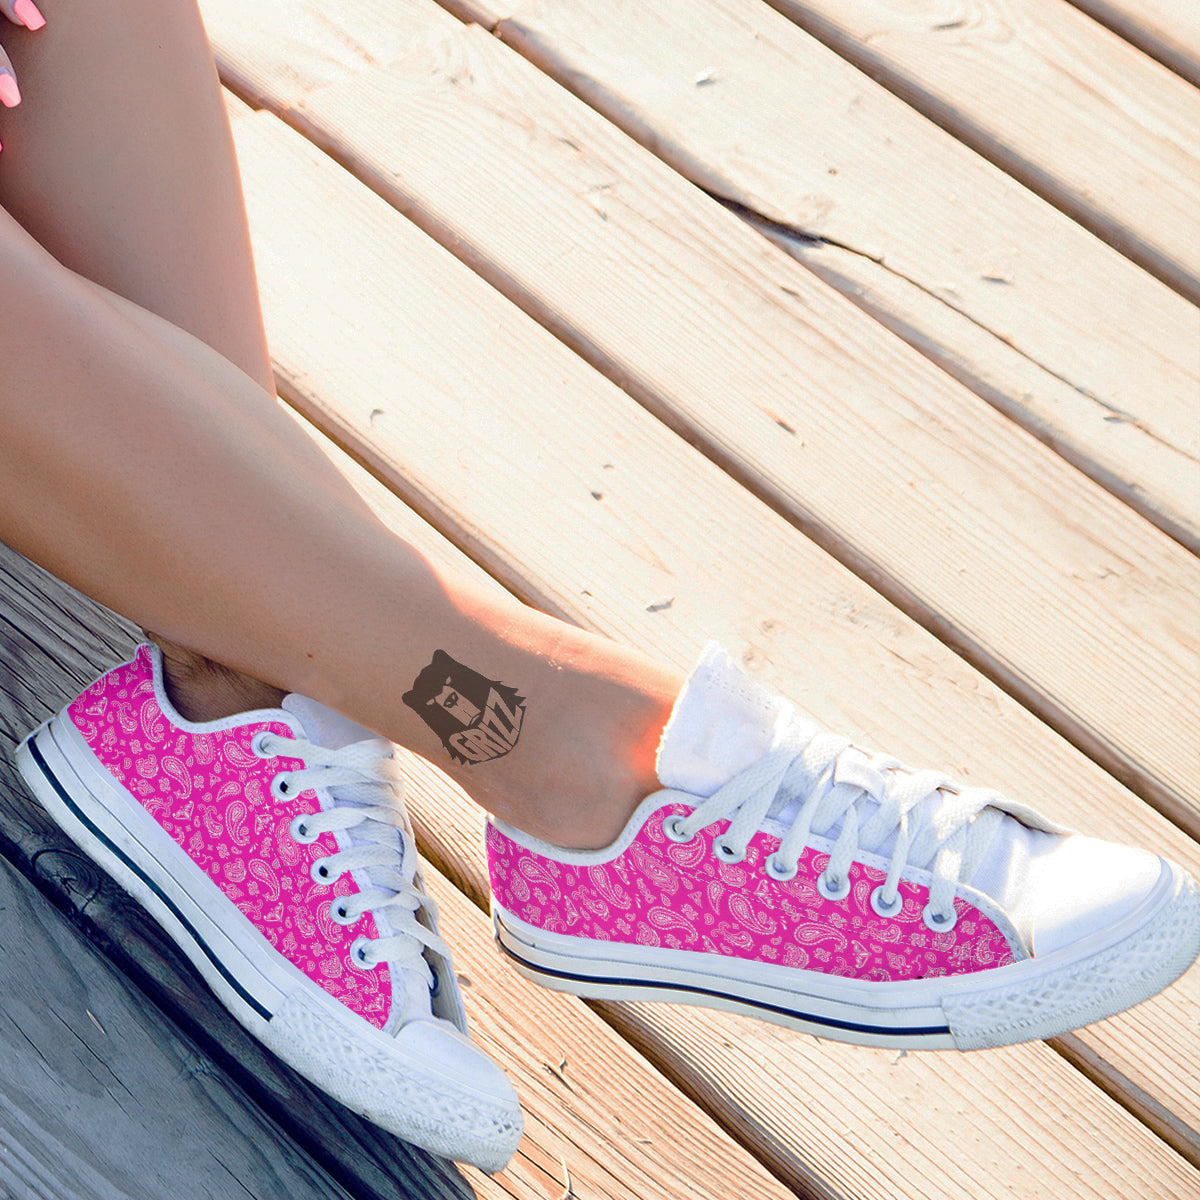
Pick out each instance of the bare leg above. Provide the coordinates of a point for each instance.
(121, 164)
(150, 471)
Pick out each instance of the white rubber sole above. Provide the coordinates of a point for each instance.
(400, 1082)
(1033, 999)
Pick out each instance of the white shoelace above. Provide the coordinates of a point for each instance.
(814, 783)
(380, 845)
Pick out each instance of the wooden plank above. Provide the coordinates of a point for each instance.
(999, 288)
(1011, 556)
(600, 1121)
(102, 1098)
(296, 47)
(1059, 102)
(453, 398)
(1169, 30)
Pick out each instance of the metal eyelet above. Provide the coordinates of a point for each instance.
(281, 787)
(358, 955)
(831, 888)
(319, 872)
(673, 828)
(258, 744)
(301, 831)
(725, 852)
(881, 907)
(339, 913)
(939, 922)
(780, 870)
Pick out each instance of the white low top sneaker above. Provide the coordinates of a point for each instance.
(784, 873)
(273, 846)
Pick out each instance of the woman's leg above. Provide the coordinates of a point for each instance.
(120, 162)
(144, 467)
(122, 165)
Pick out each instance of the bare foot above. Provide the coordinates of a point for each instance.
(203, 690)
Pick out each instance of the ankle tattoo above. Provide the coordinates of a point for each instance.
(476, 718)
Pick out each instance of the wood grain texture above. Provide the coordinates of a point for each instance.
(293, 46)
(933, 497)
(452, 396)
(1059, 102)
(101, 1098)
(1054, 327)
(1168, 30)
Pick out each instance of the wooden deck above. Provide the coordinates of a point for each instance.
(861, 335)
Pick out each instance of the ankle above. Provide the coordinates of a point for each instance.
(203, 690)
(596, 771)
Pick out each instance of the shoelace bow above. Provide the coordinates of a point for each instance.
(825, 781)
(380, 843)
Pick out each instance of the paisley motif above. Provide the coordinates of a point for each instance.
(657, 875)
(239, 756)
(751, 917)
(238, 834)
(610, 890)
(664, 918)
(266, 877)
(663, 892)
(235, 822)
(534, 871)
(150, 718)
(174, 768)
(126, 717)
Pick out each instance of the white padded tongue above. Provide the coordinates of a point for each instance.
(324, 727)
(330, 729)
(721, 723)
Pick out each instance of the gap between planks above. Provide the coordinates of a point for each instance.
(1168, 30)
(1099, 129)
(1011, 297)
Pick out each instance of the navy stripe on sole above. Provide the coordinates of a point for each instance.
(914, 1031)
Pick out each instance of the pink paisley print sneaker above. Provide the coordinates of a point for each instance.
(274, 848)
(786, 874)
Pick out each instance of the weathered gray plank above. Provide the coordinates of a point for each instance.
(101, 1098)
(52, 643)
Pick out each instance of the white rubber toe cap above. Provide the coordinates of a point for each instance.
(1076, 887)
(486, 1124)
(445, 1051)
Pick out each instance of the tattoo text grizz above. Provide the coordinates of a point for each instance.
(476, 718)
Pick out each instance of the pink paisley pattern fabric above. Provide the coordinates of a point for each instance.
(212, 795)
(679, 895)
